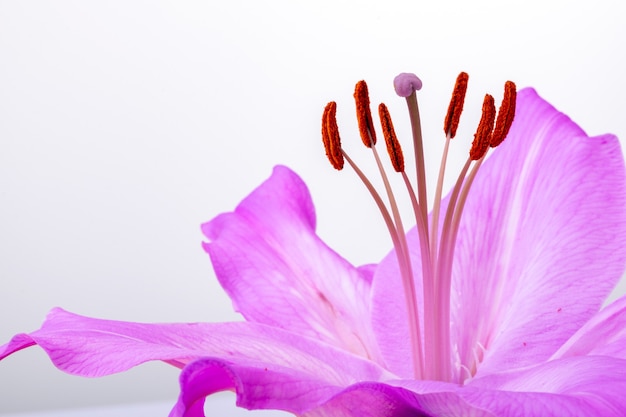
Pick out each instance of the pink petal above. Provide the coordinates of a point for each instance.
(382, 400)
(389, 312)
(604, 334)
(542, 239)
(581, 386)
(537, 404)
(278, 272)
(263, 388)
(540, 246)
(258, 386)
(577, 386)
(93, 347)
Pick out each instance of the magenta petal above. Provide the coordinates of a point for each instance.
(538, 404)
(263, 388)
(576, 386)
(93, 347)
(540, 246)
(278, 272)
(258, 386)
(389, 313)
(198, 380)
(90, 347)
(580, 386)
(371, 399)
(542, 240)
(604, 334)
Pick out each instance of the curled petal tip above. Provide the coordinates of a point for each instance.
(406, 83)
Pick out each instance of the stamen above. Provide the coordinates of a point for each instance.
(450, 125)
(364, 115)
(455, 108)
(506, 114)
(483, 132)
(393, 145)
(330, 136)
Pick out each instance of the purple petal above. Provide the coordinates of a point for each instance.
(262, 388)
(581, 386)
(383, 400)
(542, 239)
(389, 313)
(576, 386)
(540, 246)
(93, 347)
(278, 272)
(604, 334)
(538, 404)
(258, 386)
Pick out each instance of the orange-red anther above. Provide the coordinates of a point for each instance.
(483, 132)
(391, 140)
(506, 114)
(364, 115)
(330, 136)
(455, 108)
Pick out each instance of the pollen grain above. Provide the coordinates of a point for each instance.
(506, 114)
(483, 131)
(330, 136)
(451, 122)
(364, 115)
(391, 140)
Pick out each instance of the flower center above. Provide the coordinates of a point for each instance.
(431, 346)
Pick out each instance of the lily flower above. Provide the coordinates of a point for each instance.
(490, 306)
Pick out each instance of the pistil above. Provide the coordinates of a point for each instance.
(366, 128)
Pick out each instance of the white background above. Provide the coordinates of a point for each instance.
(126, 124)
